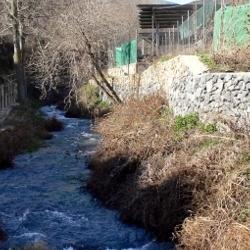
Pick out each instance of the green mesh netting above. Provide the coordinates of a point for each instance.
(126, 54)
(231, 27)
(190, 27)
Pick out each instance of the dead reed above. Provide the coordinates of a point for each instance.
(174, 176)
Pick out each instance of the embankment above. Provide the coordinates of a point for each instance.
(23, 131)
(178, 177)
(189, 87)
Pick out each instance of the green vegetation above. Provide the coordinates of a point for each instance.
(165, 58)
(245, 157)
(208, 60)
(165, 114)
(91, 100)
(209, 128)
(218, 62)
(244, 215)
(187, 122)
(90, 96)
(248, 174)
(191, 121)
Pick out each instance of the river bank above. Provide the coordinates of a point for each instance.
(24, 131)
(180, 178)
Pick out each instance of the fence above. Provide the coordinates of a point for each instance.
(196, 31)
(231, 27)
(126, 53)
(8, 94)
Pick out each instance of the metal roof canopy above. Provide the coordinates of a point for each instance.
(162, 16)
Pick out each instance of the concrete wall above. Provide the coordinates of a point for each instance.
(189, 87)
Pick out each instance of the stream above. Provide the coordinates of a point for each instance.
(44, 198)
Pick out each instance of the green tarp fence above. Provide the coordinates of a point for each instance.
(232, 27)
(126, 54)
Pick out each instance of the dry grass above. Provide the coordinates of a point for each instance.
(187, 182)
(235, 59)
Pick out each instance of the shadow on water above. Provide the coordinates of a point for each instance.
(44, 198)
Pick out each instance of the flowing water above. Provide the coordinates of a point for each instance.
(44, 198)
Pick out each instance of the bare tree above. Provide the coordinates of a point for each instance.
(19, 18)
(78, 42)
(67, 40)
(18, 42)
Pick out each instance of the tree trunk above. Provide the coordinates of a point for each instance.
(112, 94)
(18, 52)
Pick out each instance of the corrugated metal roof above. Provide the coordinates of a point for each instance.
(165, 15)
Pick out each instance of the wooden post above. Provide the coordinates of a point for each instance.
(173, 39)
(169, 40)
(8, 94)
(195, 22)
(182, 25)
(137, 46)
(162, 45)
(2, 96)
(5, 96)
(143, 47)
(153, 33)
(165, 42)
(203, 24)
(12, 93)
(157, 39)
(178, 36)
(189, 41)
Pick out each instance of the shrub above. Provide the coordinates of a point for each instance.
(90, 99)
(191, 121)
(209, 128)
(187, 122)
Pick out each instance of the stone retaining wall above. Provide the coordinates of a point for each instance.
(211, 94)
(189, 87)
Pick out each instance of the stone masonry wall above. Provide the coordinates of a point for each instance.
(189, 87)
(210, 94)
